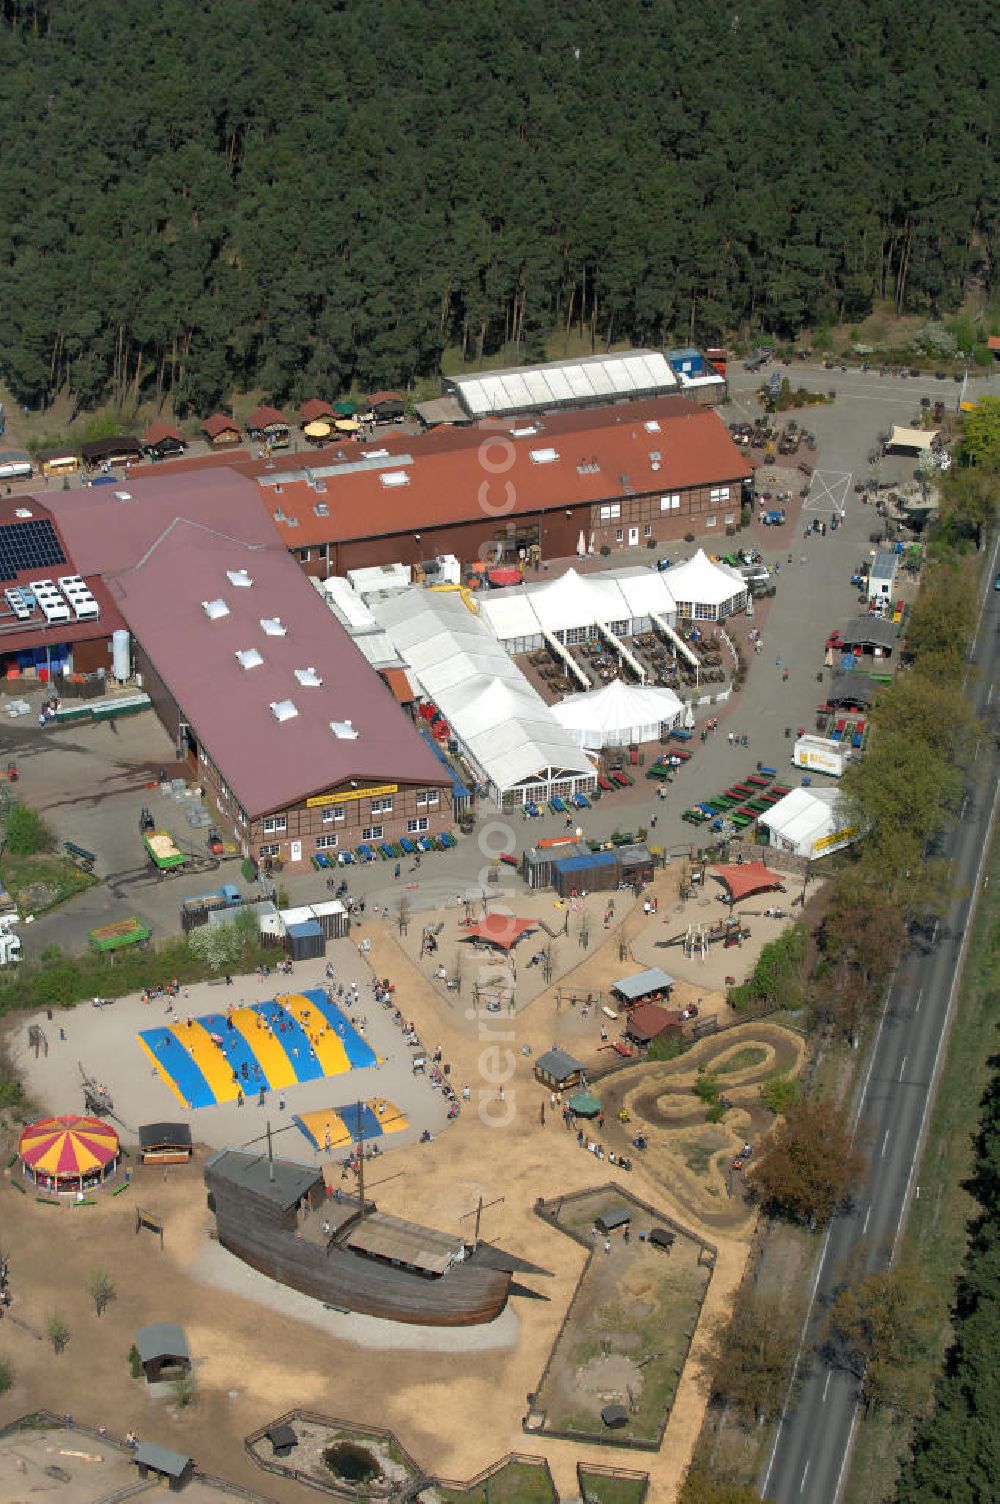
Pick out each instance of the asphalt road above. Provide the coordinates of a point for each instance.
(811, 1452)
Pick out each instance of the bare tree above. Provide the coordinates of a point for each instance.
(57, 1331)
(102, 1289)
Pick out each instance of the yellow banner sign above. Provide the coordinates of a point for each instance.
(346, 796)
(832, 840)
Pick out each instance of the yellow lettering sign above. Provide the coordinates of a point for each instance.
(832, 840)
(346, 796)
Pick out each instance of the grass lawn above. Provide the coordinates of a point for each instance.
(39, 883)
(741, 1060)
(597, 1489)
(935, 1238)
(516, 1483)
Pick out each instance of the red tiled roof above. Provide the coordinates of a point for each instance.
(266, 417)
(993, 343)
(158, 431)
(397, 681)
(597, 453)
(315, 407)
(219, 423)
(374, 397)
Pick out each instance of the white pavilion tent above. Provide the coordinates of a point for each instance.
(809, 823)
(705, 591)
(570, 606)
(515, 745)
(619, 715)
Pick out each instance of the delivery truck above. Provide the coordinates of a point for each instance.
(818, 754)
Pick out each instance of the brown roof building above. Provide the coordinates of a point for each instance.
(299, 742)
(649, 1021)
(627, 475)
(220, 429)
(314, 408)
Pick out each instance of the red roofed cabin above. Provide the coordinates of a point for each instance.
(162, 440)
(221, 431)
(315, 410)
(993, 345)
(269, 426)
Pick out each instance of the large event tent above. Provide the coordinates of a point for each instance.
(809, 822)
(744, 878)
(569, 607)
(704, 591)
(619, 714)
(508, 733)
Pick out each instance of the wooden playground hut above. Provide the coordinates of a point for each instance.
(557, 1070)
(649, 1021)
(165, 1143)
(175, 1467)
(163, 1352)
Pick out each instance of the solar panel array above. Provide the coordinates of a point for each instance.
(28, 545)
(636, 373)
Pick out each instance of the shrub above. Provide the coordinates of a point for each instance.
(779, 1093)
(689, 537)
(707, 1086)
(134, 1362)
(715, 1113)
(249, 870)
(57, 1331)
(6, 1374)
(26, 832)
(664, 1048)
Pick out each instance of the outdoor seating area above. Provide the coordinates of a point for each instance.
(740, 804)
(385, 851)
(671, 671)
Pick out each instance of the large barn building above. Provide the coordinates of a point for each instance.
(299, 744)
(616, 477)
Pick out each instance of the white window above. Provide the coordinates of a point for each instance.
(414, 827)
(670, 503)
(323, 843)
(275, 824)
(372, 833)
(433, 797)
(421, 798)
(711, 521)
(305, 554)
(703, 612)
(339, 814)
(270, 850)
(611, 511)
(729, 519)
(619, 535)
(328, 816)
(719, 493)
(381, 806)
(647, 531)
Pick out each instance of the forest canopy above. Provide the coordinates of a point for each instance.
(207, 195)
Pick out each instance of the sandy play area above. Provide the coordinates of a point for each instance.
(260, 1351)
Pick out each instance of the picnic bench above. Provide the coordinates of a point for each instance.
(84, 858)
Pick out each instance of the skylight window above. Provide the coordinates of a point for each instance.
(284, 710)
(308, 676)
(240, 578)
(543, 456)
(214, 610)
(394, 478)
(651, 426)
(344, 731)
(272, 626)
(249, 658)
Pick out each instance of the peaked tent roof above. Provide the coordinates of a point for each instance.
(618, 707)
(805, 816)
(68, 1145)
(699, 580)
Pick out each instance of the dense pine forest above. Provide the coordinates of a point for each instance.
(202, 195)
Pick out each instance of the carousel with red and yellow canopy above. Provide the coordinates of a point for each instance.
(69, 1154)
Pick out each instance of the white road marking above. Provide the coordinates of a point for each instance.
(989, 696)
(829, 1376)
(902, 1068)
(828, 490)
(884, 1142)
(805, 1471)
(920, 998)
(864, 1229)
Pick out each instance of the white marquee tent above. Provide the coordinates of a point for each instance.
(705, 591)
(571, 605)
(510, 736)
(619, 715)
(809, 822)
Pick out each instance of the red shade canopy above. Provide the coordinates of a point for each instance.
(502, 930)
(744, 878)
